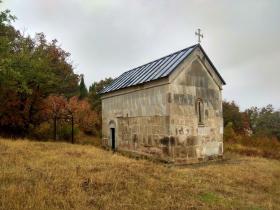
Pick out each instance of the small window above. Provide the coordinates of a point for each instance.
(200, 111)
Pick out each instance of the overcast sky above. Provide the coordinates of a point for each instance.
(108, 37)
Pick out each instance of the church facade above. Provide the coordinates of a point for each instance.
(170, 108)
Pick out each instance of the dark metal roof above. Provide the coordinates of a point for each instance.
(154, 70)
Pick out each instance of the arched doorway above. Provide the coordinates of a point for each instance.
(112, 130)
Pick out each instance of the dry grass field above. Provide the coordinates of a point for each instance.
(36, 175)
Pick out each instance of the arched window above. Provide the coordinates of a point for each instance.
(200, 111)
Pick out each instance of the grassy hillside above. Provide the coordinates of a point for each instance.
(37, 175)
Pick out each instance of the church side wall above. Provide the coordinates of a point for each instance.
(194, 84)
(141, 118)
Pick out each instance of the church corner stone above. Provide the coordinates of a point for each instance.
(177, 118)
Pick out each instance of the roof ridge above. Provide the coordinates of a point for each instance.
(193, 46)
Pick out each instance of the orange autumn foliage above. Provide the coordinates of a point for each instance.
(59, 107)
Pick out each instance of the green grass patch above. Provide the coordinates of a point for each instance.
(209, 197)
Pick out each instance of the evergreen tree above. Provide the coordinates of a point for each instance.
(94, 96)
(83, 88)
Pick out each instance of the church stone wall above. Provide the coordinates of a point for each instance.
(194, 140)
(141, 118)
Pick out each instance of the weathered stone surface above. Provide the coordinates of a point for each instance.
(163, 118)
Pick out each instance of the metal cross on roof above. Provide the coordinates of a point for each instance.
(199, 34)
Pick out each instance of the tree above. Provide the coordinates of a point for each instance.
(232, 114)
(84, 116)
(83, 88)
(264, 121)
(94, 96)
(54, 108)
(57, 108)
(30, 70)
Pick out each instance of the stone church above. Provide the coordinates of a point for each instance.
(170, 108)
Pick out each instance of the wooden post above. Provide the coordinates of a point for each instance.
(54, 128)
(72, 121)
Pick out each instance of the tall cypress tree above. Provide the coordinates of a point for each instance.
(83, 88)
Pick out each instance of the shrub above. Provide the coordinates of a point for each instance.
(229, 134)
(84, 117)
(255, 146)
(42, 132)
(65, 132)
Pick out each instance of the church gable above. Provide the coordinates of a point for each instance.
(198, 71)
(208, 66)
(195, 81)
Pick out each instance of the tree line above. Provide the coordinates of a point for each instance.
(254, 121)
(39, 88)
